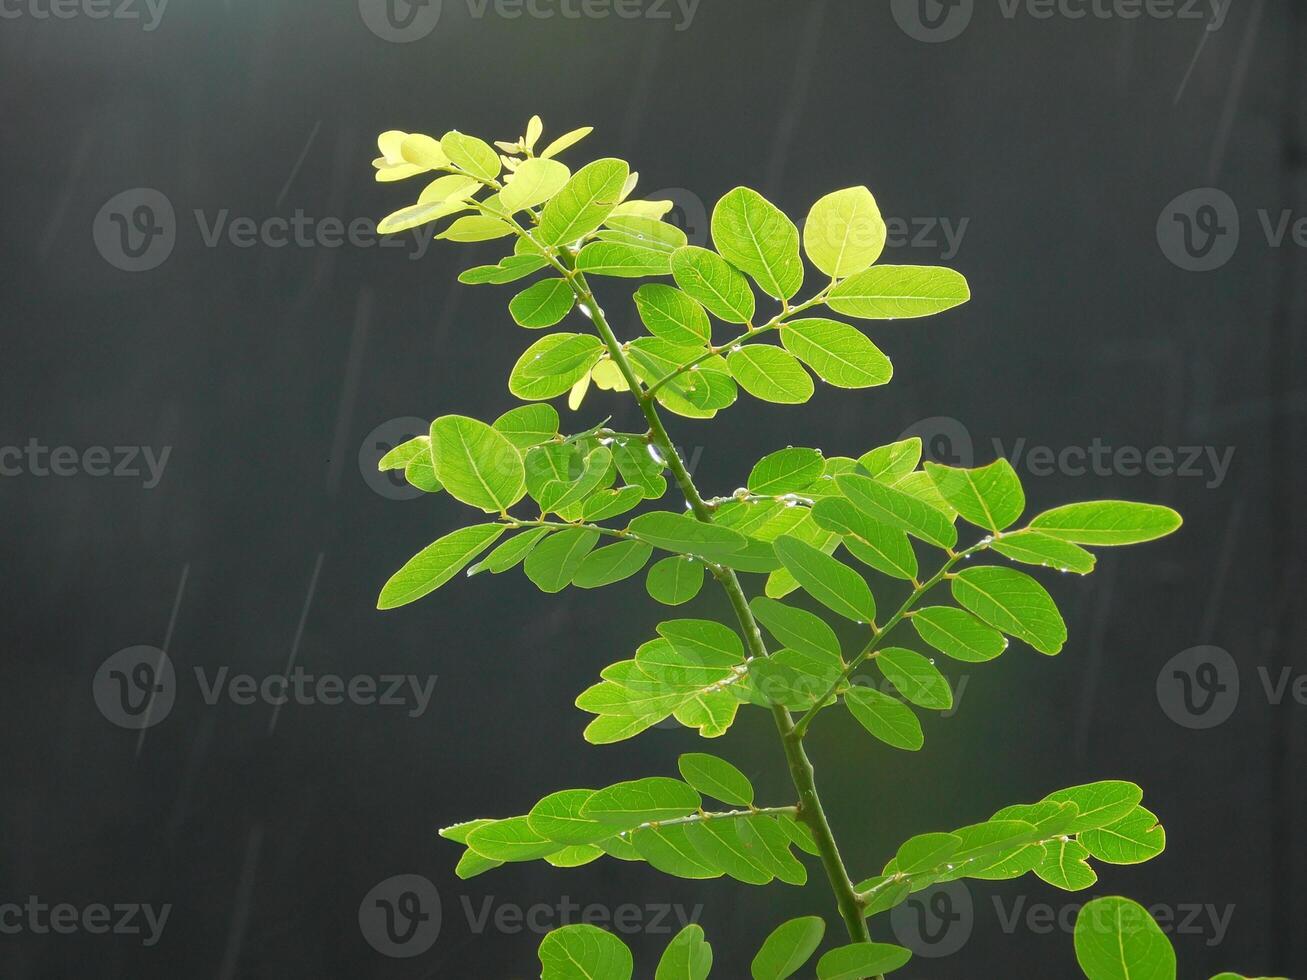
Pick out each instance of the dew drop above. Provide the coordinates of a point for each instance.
(585, 310)
(655, 455)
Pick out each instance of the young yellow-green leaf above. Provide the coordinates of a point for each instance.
(423, 151)
(639, 232)
(858, 960)
(420, 471)
(476, 228)
(640, 801)
(623, 261)
(477, 464)
(416, 215)
(685, 535)
(675, 580)
(755, 236)
(916, 678)
(828, 580)
(840, 354)
(566, 140)
(399, 457)
(471, 155)
(771, 374)
(534, 182)
(552, 563)
(687, 957)
(958, 634)
(889, 505)
(797, 629)
(542, 304)
(716, 777)
(892, 462)
(1012, 602)
(1108, 522)
(844, 233)
(558, 818)
(671, 314)
(789, 470)
(451, 188)
(436, 564)
(583, 204)
(1135, 838)
(1100, 804)
(1039, 548)
(553, 364)
(509, 554)
(714, 282)
(1116, 939)
(528, 425)
(510, 840)
(509, 269)
(1065, 866)
(789, 946)
(671, 851)
(584, 952)
(889, 719)
(881, 546)
(610, 564)
(989, 497)
(889, 292)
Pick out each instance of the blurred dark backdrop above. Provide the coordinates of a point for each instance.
(1054, 148)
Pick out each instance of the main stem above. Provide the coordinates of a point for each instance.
(801, 771)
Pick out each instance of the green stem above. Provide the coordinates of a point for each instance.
(725, 815)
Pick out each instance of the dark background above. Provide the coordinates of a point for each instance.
(267, 370)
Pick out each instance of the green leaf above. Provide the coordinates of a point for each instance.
(889, 719)
(423, 151)
(893, 462)
(574, 856)
(840, 354)
(639, 468)
(597, 469)
(786, 471)
(675, 580)
(510, 840)
(477, 464)
(553, 364)
(889, 505)
(765, 837)
(708, 641)
(604, 504)
(399, 457)
(771, 374)
(926, 852)
(716, 777)
(1013, 602)
(796, 628)
(558, 818)
(1135, 838)
(685, 535)
(687, 957)
(720, 845)
(754, 235)
(509, 269)
(879, 545)
(553, 562)
(416, 215)
(583, 204)
(1116, 939)
(638, 801)
(714, 282)
(671, 851)
(471, 155)
(623, 260)
(436, 564)
(888, 292)
(448, 189)
(1101, 804)
(843, 234)
(672, 314)
(583, 952)
(789, 946)
(642, 232)
(958, 634)
(1038, 548)
(542, 304)
(510, 553)
(567, 139)
(534, 182)
(858, 960)
(476, 228)
(612, 564)
(989, 496)
(916, 678)
(528, 425)
(1064, 865)
(827, 579)
(421, 472)
(1108, 522)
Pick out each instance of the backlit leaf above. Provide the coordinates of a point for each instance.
(714, 282)
(583, 204)
(584, 952)
(889, 719)
(827, 579)
(716, 777)
(770, 373)
(477, 464)
(754, 235)
(988, 496)
(840, 354)
(1108, 522)
(888, 292)
(436, 564)
(1012, 602)
(1116, 939)
(789, 946)
(542, 304)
